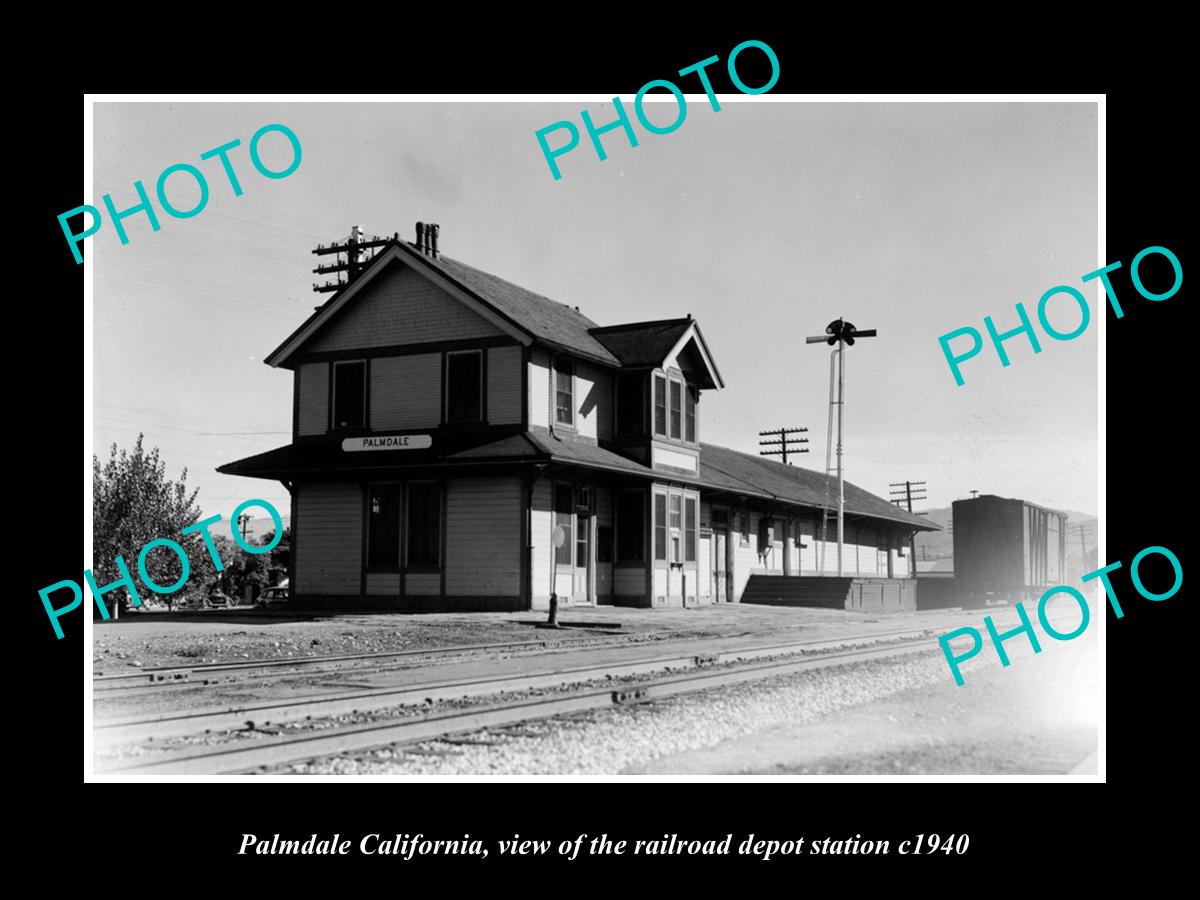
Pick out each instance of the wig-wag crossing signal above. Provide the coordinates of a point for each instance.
(838, 334)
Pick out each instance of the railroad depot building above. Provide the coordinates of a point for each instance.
(459, 442)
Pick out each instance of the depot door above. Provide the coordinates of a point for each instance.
(582, 576)
(573, 544)
(720, 543)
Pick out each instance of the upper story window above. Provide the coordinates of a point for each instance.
(674, 409)
(660, 405)
(349, 395)
(464, 386)
(564, 393)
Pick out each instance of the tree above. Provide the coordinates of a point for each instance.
(133, 503)
(281, 556)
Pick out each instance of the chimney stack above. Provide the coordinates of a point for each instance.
(420, 237)
(433, 239)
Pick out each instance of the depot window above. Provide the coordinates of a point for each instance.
(564, 510)
(349, 395)
(689, 419)
(383, 526)
(424, 524)
(660, 405)
(676, 523)
(660, 526)
(689, 530)
(564, 393)
(676, 404)
(675, 526)
(464, 386)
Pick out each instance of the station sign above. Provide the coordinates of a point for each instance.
(388, 442)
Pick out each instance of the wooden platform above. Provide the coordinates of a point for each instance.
(879, 594)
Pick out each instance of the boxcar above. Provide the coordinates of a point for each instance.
(1006, 550)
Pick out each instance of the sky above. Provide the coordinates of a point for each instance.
(765, 221)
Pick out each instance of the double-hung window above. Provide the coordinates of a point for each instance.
(674, 409)
(564, 393)
(676, 516)
(564, 517)
(383, 526)
(349, 395)
(464, 386)
(660, 405)
(424, 524)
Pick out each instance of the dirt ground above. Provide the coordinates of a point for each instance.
(146, 640)
(1035, 717)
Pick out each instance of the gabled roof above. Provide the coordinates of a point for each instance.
(550, 322)
(642, 343)
(522, 313)
(743, 473)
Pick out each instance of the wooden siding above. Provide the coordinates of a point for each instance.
(629, 582)
(400, 306)
(539, 391)
(593, 402)
(312, 406)
(383, 584)
(483, 537)
(330, 518)
(406, 392)
(422, 584)
(542, 521)
(504, 385)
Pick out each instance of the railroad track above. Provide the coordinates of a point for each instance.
(184, 676)
(271, 714)
(279, 750)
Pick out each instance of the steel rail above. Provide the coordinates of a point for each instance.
(171, 674)
(357, 738)
(136, 729)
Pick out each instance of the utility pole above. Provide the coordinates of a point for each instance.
(355, 259)
(902, 494)
(782, 443)
(243, 524)
(839, 334)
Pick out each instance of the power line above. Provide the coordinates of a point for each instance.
(781, 444)
(903, 493)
